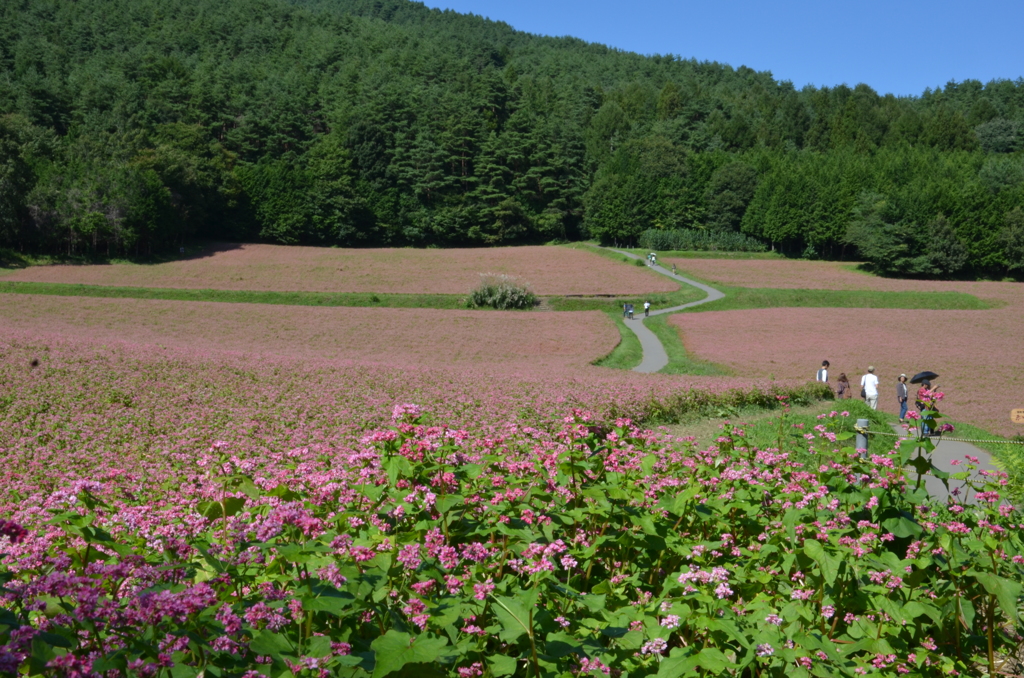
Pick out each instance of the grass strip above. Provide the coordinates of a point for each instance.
(701, 254)
(679, 361)
(743, 298)
(765, 432)
(327, 299)
(684, 295)
(628, 353)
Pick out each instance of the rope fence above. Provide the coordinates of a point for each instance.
(865, 431)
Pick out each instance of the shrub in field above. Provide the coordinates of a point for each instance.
(686, 239)
(595, 548)
(503, 292)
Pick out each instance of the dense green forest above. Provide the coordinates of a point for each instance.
(131, 126)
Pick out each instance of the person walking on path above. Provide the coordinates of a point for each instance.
(869, 387)
(842, 387)
(901, 396)
(629, 311)
(823, 372)
(647, 308)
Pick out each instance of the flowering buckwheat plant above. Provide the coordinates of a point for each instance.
(579, 546)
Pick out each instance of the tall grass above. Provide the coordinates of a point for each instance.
(502, 292)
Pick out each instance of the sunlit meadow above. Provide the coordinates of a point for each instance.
(550, 270)
(182, 513)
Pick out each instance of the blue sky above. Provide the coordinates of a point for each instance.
(897, 46)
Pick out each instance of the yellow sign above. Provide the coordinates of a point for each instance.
(1017, 416)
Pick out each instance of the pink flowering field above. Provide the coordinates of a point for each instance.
(505, 340)
(970, 350)
(828, 275)
(186, 512)
(550, 270)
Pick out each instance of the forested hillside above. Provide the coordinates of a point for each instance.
(130, 126)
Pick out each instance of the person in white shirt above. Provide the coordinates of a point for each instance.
(647, 308)
(823, 372)
(869, 383)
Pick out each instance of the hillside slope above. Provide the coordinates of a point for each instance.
(131, 126)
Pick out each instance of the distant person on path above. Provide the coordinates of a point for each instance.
(823, 372)
(842, 387)
(673, 269)
(629, 311)
(901, 396)
(647, 308)
(869, 387)
(625, 310)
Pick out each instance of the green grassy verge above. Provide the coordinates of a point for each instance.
(679, 361)
(742, 298)
(444, 301)
(693, 254)
(766, 431)
(684, 295)
(766, 427)
(628, 353)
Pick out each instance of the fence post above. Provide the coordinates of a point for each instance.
(862, 433)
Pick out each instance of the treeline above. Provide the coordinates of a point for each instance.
(130, 127)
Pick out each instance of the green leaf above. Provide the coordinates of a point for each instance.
(214, 510)
(561, 644)
(902, 526)
(394, 650)
(177, 671)
(677, 664)
(1005, 590)
(502, 665)
(514, 618)
(473, 471)
(713, 660)
(335, 603)
(449, 502)
(395, 466)
(270, 644)
(249, 488)
(318, 646)
(594, 603)
(829, 565)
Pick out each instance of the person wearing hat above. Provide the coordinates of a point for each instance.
(901, 396)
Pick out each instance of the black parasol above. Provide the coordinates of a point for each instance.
(923, 376)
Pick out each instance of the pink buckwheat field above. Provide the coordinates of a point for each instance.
(506, 340)
(196, 489)
(972, 350)
(550, 270)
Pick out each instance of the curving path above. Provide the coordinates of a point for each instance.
(655, 357)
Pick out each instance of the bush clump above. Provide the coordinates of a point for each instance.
(503, 292)
(684, 239)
